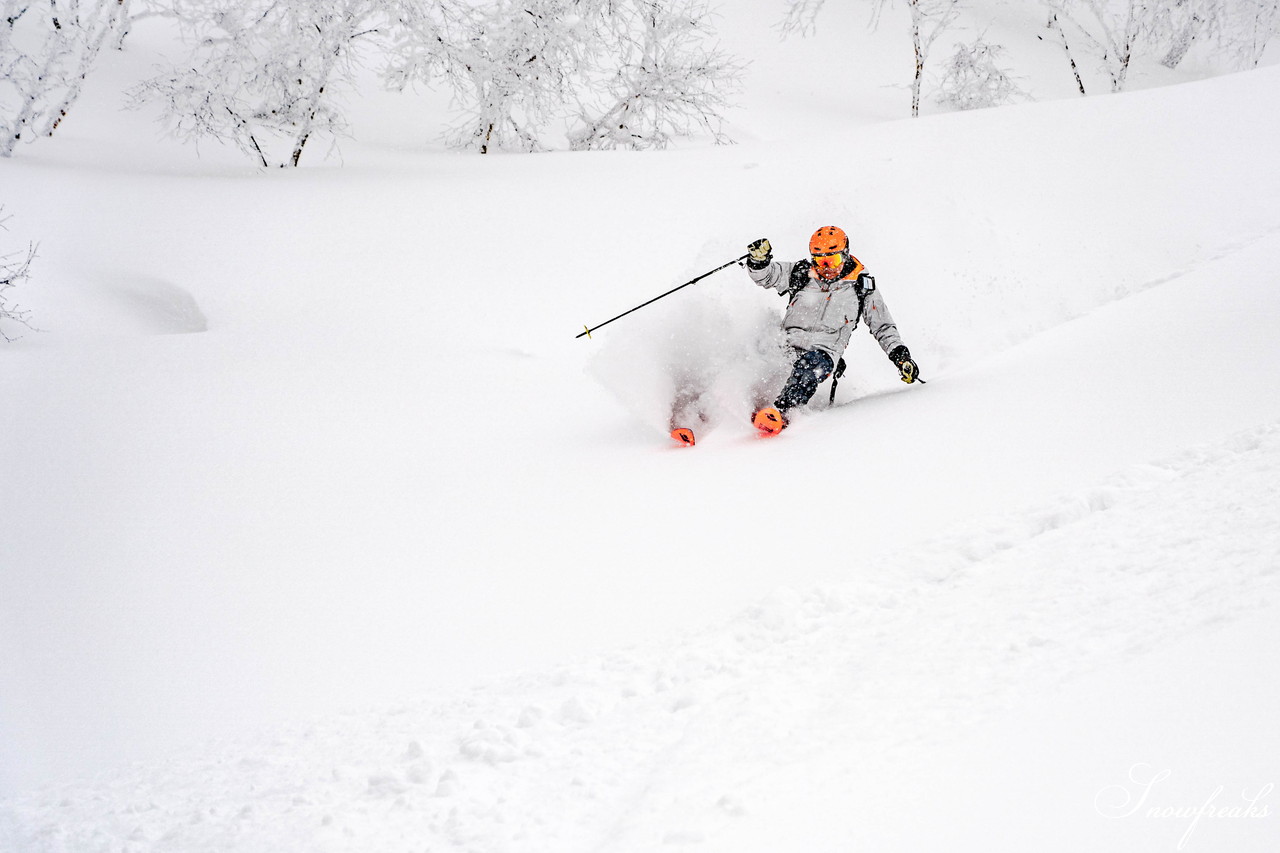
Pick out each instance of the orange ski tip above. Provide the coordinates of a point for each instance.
(769, 421)
(684, 435)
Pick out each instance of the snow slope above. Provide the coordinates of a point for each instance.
(947, 699)
(294, 444)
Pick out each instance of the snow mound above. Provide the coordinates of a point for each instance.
(153, 305)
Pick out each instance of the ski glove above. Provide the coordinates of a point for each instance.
(759, 254)
(901, 356)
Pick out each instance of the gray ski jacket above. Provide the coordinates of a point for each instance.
(822, 315)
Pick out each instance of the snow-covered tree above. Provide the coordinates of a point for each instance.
(264, 75)
(1264, 27)
(47, 49)
(660, 79)
(1234, 33)
(1061, 35)
(929, 20)
(973, 79)
(1179, 23)
(1109, 29)
(14, 269)
(1237, 30)
(630, 73)
(510, 65)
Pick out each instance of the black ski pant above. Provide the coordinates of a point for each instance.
(810, 369)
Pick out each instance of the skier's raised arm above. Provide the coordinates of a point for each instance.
(765, 271)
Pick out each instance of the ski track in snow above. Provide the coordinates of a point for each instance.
(672, 745)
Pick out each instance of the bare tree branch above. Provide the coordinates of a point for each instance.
(14, 269)
(44, 61)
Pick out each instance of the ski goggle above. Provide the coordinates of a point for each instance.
(830, 262)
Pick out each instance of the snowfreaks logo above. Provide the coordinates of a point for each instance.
(1135, 799)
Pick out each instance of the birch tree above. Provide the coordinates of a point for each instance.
(47, 49)
(1109, 29)
(1181, 23)
(264, 75)
(929, 20)
(1234, 33)
(1238, 30)
(1056, 26)
(509, 64)
(661, 80)
(603, 73)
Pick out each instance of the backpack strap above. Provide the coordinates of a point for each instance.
(799, 278)
(865, 284)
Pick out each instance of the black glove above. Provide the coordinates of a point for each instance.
(759, 254)
(901, 356)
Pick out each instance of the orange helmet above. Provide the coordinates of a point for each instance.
(829, 248)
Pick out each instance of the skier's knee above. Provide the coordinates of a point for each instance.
(816, 361)
(807, 373)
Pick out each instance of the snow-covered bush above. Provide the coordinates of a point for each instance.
(47, 49)
(14, 269)
(264, 75)
(972, 78)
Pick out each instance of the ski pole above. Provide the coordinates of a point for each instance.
(656, 298)
(835, 382)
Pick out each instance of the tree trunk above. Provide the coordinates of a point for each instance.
(297, 149)
(917, 43)
(1125, 50)
(1055, 25)
(1182, 42)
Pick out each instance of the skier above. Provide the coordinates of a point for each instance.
(828, 294)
